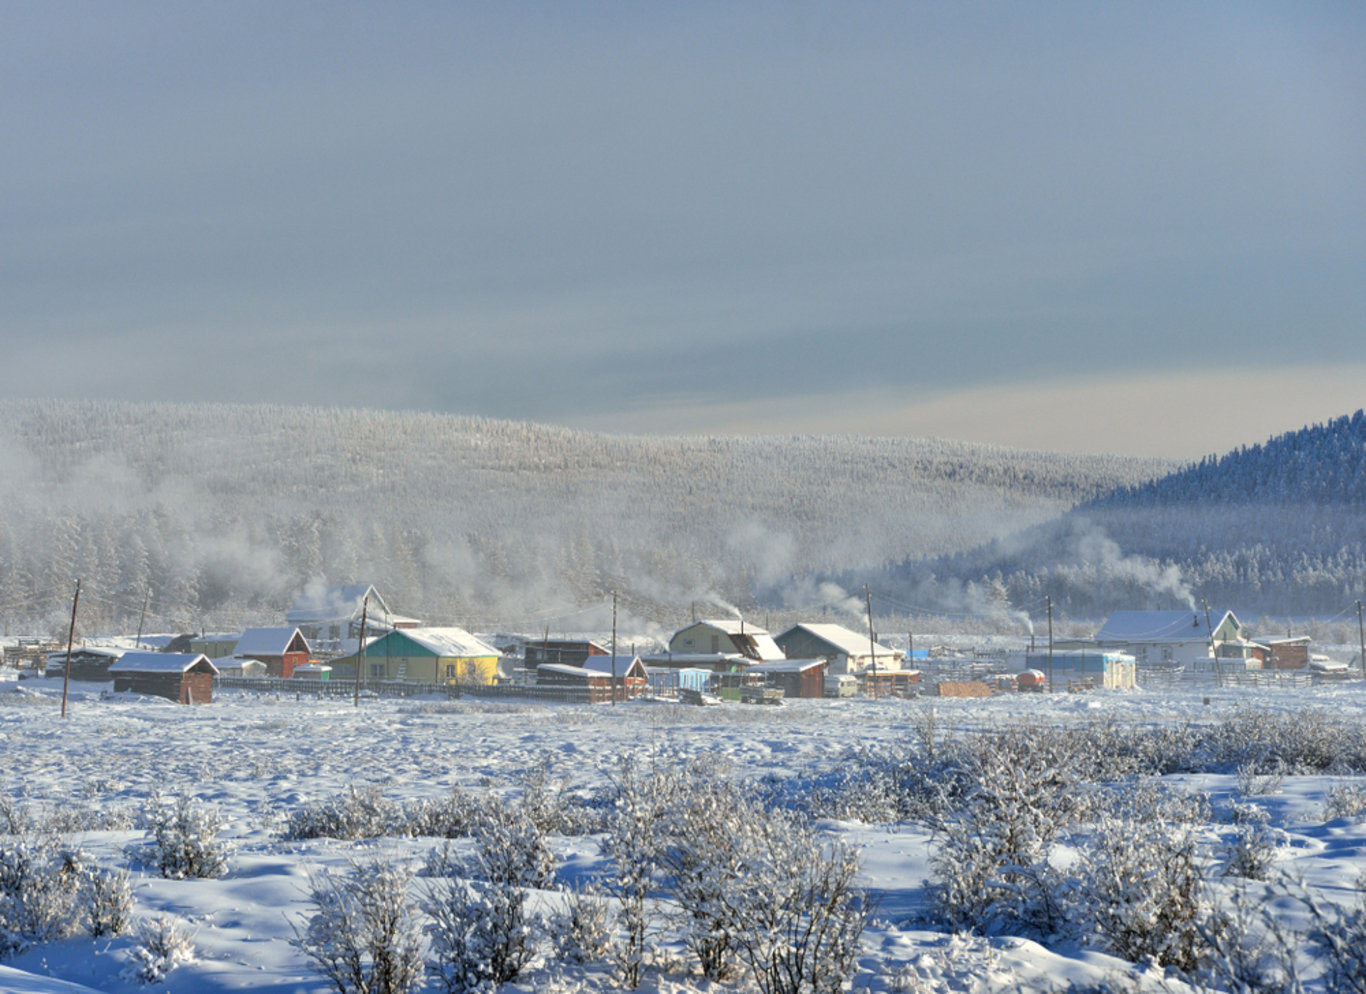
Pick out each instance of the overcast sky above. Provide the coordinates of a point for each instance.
(1134, 227)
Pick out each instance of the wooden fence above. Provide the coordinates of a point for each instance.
(404, 688)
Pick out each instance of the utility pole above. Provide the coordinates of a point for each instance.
(872, 642)
(614, 648)
(146, 599)
(360, 649)
(70, 636)
(1050, 643)
(1361, 634)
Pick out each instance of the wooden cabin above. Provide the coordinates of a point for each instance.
(177, 676)
(282, 649)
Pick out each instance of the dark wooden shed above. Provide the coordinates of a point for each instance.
(177, 676)
(796, 677)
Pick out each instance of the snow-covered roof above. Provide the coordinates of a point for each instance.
(343, 601)
(740, 633)
(265, 641)
(603, 664)
(88, 650)
(784, 666)
(566, 669)
(447, 641)
(842, 639)
(160, 662)
(1156, 626)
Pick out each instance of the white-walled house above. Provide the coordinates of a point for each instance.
(729, 635)
(847, 652)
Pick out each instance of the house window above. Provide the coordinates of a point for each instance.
(377, 671)
(450, 671)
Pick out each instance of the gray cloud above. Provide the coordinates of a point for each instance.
(529, 210)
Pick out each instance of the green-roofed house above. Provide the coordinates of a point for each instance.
(423, 655)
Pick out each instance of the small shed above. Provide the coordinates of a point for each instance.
(313, 671)
(237, 666)
(281, 649)
(629, 672)
(597, 685)
(795, 677)
(668, 682)
(177, 676)
(90, 664)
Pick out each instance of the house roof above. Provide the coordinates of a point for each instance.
(567, 670)
(337, 603)
(784, 666)
(161, 662)
(841, 639)
(741, 633)
(265, 641)
(1157, 626)
(603, 664)
(445, 641)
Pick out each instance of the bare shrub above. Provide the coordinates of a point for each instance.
(633, 843)
(360, 813)
(991, 863)
(708, 850)
(449, 817)
(1144, 892)
(41, 882)
(803, 917)
(184, 838)
(364, 935)
(1253, 850)
(1344, 801)
(584, 928)
(109, 902)
(483, 933)
(162, 944)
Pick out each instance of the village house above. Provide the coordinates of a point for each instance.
(571, 652)
(847, 652)
(1175, 639)
(283, 650)
(423, 655)
(725, 637)
(334, 613)
(185, 677)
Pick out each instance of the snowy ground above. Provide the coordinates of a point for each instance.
(258, 758)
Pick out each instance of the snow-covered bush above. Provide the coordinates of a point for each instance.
(184, 838)
(1253, 850)
(162, 944)
(41, 883)
(482, 932)
(360, 813)
(583, 930)
(991, 863)
(712, 838)
(801, 915)
(364, 936)
(1344, 801)
(448, 817)
(109, 902)
(641, 800)
(1143, 890)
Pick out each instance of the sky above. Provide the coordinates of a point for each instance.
(1130, 228)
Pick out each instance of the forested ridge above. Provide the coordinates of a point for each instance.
(1277, 528)
(217, 515)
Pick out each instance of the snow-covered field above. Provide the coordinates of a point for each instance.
(258, 759)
